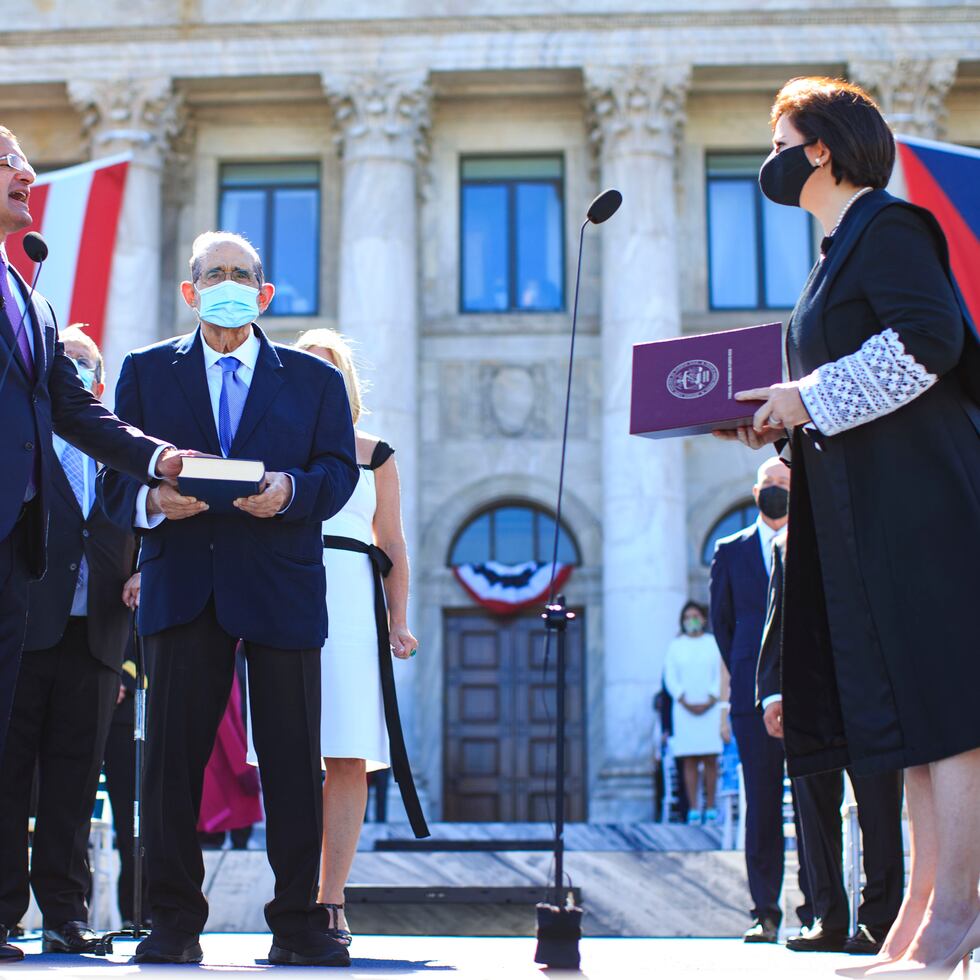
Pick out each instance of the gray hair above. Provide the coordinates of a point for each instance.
(208, 239)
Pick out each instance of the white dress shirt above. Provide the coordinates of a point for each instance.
(766, 536)
(247, 354)
(79, 605)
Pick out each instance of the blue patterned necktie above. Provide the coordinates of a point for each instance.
(73, 463)
(231, 403)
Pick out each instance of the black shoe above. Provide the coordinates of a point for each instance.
(863, 943)
(763, 930)
(162, 946)
(8, 953)
(70, 937)
(817, 939)
(308, 949)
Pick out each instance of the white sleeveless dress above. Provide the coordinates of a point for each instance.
(352, 715)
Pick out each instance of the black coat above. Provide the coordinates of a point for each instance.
(880, 664)
(109, 552)
(56, 401)
(769, 672)
(738, 611)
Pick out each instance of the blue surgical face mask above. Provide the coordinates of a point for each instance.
(229, 304)
(86, 374)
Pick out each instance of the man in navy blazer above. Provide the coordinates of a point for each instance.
(41, 393)
(739, 587)
(255, 574)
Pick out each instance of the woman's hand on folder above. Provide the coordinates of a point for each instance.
(782, 407)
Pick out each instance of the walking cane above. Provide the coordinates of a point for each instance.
(104, 946)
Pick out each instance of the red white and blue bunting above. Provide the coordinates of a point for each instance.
(507, 589)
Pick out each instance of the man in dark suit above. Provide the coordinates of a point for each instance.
(66, 690)
(255, 574)
(818, 802)
(41, 393)
(739, 579)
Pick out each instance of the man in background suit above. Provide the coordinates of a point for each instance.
(66, 690)
(739, 582)
(210, 579)
(41, 393)
(818, 803)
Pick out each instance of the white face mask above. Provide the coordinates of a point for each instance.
(229, 304)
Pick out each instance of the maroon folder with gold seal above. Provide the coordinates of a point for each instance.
(686, 386)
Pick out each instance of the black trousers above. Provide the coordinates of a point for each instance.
(61, 713)
(190, 669)
(13, 617)
(879, 800)
(120, 777)
(763, 764)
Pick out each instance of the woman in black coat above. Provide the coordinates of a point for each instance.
(881, 660)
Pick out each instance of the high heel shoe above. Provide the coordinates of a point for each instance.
(342, 936)
(938, 969)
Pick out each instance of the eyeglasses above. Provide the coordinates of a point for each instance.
(16, 162)
(242, 276)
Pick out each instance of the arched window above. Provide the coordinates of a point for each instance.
(512, 534)
(739, 516)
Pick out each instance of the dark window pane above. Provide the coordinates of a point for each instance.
(736, 519)
(294, 242)
(539, 247)
(546, 542)
(787, 241)
(243, 212)
(484, 248)
(732, 244)
(513, 540)
(272, 174)
(512, 168)
(473, 544)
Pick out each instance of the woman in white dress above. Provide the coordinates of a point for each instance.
(359, 728)
(693, 678)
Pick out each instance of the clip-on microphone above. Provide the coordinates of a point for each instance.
(560, 923)
(36, 249)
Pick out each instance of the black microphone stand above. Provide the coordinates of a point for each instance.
(560, 922)
(104, 945)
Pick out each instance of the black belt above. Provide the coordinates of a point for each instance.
(381, 565)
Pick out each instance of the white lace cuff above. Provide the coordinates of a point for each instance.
(873, 381)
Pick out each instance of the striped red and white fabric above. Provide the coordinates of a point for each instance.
(507, 589)
(77, 211)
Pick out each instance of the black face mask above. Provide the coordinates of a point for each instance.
(783, 174)
(774, 502)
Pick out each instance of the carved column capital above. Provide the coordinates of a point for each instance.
(142, 115)
(636, 108)
(911, 92)
(381, 114)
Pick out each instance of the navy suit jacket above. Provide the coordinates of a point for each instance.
(108, 551)
(57, 401)
(266, 574)
(739, 586)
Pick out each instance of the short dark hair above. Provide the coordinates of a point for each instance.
(693, 604)
(847, 120)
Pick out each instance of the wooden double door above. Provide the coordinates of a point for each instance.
(499, 753)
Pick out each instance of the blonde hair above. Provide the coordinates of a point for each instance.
(340, 347)
(76, 332)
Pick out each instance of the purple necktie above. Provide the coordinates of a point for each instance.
(13, 315)
(23, 346)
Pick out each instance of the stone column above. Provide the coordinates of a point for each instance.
(910, 92)
(139, 116)
(382, 121)
(636, 114)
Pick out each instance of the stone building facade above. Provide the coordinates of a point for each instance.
(387, 99)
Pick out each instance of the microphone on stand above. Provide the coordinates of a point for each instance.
(36, 249)
(560, 921)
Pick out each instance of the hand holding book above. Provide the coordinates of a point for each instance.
(275, 493)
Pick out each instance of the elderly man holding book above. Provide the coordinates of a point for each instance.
(228, 557)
